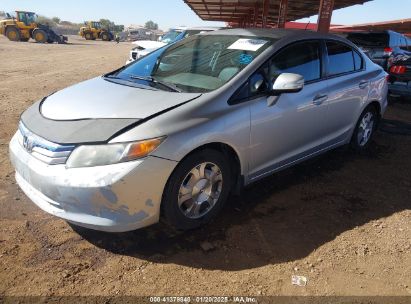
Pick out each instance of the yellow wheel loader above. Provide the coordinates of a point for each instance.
(25, 26)
(93, 30)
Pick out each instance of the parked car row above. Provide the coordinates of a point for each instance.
(144, 47)
(392, 51)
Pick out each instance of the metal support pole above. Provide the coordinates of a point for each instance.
(255, 15)
(324, 15)
(282, 14)
(266, 8)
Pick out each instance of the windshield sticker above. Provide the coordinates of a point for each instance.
(245, 59)
(247, 44)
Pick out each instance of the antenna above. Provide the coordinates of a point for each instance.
(307, 25)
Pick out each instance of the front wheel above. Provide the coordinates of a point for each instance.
(196, 190)
(105, 36)
(364, 129)
(40, 36)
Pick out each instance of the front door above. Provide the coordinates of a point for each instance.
(296, 125)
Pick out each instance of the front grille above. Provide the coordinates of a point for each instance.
(42, 149)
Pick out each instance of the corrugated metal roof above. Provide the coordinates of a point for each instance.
(235, 11)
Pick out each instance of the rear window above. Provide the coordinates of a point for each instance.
(369, 39)
(342, 59)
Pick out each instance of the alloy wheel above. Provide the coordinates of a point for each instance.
(365, 129)
(200, 190)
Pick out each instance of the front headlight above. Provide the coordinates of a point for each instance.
(100, 155)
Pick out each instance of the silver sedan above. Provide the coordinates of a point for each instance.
(174, 133)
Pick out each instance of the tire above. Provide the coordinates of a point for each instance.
(364, 129)
(88, 36)
(13, 34)
(105, 36)
(186, 202)
(40, 36)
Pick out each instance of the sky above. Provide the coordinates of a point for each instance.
(170, 13)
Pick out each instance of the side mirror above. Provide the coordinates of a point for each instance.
(288, 83)
(285, 83)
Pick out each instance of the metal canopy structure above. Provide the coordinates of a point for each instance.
(400, 26)
(267, 13)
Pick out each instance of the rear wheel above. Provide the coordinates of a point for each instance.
(196, 190)
(40, 36)
(364, 129)
(88, 36)
(13, 34)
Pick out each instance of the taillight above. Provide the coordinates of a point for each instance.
(387, 78)
(388, 51)
(398, 69)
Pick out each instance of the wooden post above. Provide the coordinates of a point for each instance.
(324, 15)
(282, 14)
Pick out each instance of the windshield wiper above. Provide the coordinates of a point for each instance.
(111, 76)
(154, 80)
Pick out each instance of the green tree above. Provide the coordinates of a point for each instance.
(56, 20)
(105, 23)
(151, 25)
(45, 20)
(118, 28)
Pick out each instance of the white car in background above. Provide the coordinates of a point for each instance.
(144, 47)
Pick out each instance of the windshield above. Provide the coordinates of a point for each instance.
(31, 18)
(170, 36)
(199, 63)
(27, 18)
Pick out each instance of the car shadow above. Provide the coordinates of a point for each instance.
(279, 219)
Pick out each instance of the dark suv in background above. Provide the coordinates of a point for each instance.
(392, 51)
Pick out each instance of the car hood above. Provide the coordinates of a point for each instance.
(98, 98)
(148, 44)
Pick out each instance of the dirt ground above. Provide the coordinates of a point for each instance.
(343, 220)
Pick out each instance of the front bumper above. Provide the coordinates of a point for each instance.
(113, 198)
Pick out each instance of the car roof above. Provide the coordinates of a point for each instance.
(197, 28)
(373, 32)
(282, 36)
(275, 33)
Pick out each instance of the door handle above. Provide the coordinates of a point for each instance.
(363, 84)
(319, 99)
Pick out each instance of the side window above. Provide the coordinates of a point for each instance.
(340, 58)
(358, 61)
(255, 86)
(301, 58)
(403, 44)
(22, 17)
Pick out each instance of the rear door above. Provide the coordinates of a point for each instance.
(348, 88)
